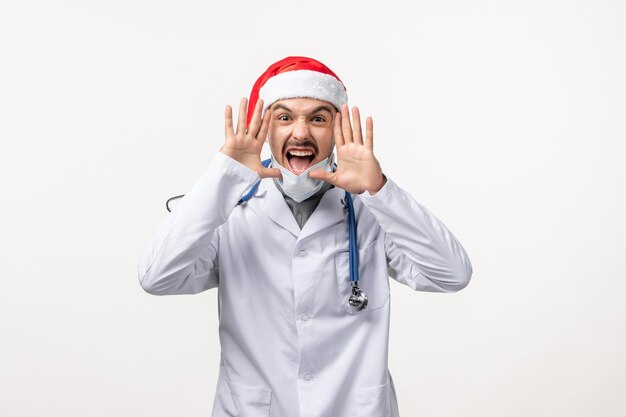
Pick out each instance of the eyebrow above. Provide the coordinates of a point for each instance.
(315, 110)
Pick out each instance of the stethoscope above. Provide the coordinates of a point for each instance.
(358, 299)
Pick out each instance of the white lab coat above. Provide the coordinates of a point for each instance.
(291, 345)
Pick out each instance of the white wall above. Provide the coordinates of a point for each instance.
(505, 119)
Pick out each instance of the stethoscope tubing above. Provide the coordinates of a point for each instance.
(352, 241)
(353, 252)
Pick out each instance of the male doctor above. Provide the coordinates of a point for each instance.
(293, 344)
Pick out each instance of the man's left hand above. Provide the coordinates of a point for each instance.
(357, 168)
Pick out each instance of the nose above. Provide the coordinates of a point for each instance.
(301, 130)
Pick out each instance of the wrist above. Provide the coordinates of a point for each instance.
(378, 185)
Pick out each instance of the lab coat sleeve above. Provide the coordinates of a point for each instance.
(182, 256)
(421, 252)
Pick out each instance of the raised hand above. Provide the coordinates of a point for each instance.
(245, 145)
(357, 168)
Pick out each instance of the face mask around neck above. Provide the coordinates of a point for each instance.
(300, 187)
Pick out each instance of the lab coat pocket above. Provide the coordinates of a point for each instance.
(250, 401)
(372, 401)
(373, 279)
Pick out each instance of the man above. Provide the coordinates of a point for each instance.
(293, 341)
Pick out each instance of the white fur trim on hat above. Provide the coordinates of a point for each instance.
(306, 84)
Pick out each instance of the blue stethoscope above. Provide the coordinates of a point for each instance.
(358, 299)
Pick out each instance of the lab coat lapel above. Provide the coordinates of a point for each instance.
(328, 212)
(275, 207)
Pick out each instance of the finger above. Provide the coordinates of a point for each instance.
(253, 127)
(269, 173)
(346, 127)
(320, 174)
(228, 121)
(337, 128)
(241, 118)
(356, 119)
(262, 135)
(369, 133)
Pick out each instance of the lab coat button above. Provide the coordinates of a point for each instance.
(302, 253)
(306, 318)
(308, 377)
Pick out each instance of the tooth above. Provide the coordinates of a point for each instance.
(301, 153)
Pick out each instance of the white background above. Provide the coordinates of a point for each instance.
(505, 119)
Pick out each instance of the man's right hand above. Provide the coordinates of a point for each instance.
(245, 145)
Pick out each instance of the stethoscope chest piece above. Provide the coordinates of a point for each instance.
(358, 299)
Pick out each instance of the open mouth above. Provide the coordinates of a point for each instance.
(299, 159)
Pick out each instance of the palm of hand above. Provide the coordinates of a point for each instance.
(357, 168)
(245, 144)
(244, 151)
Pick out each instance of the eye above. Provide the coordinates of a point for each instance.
(318, 119)
(283, 117)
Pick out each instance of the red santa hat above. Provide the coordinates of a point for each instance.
(297, 76)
